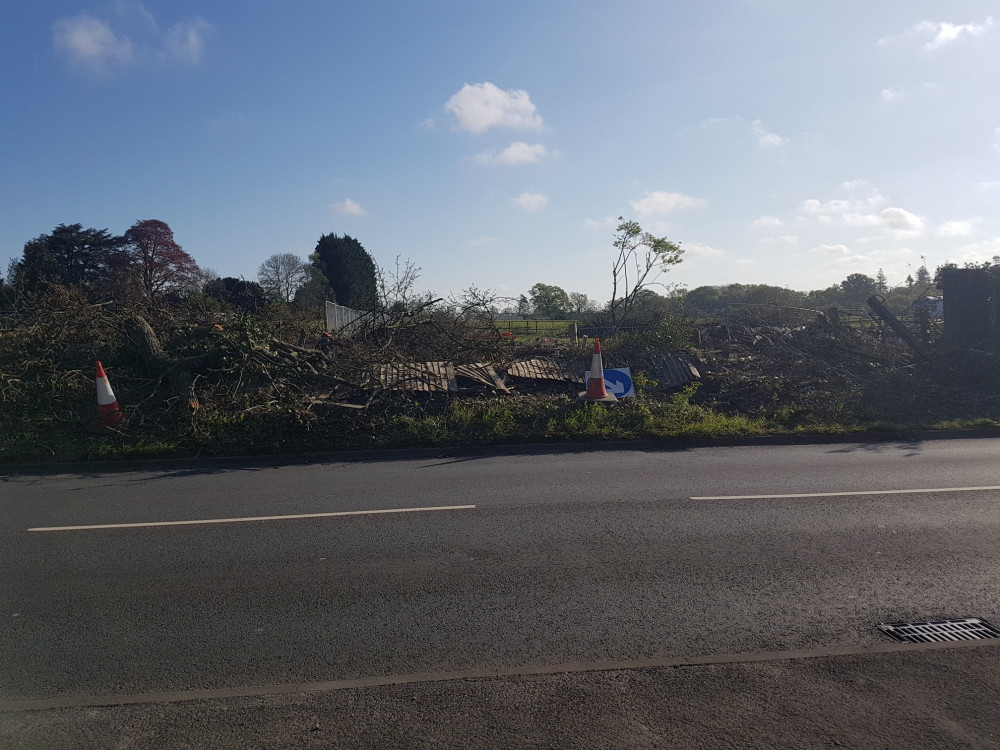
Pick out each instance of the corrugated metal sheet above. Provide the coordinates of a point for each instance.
(428, 377)
(674, 370)
(481, 373)
(542, 369)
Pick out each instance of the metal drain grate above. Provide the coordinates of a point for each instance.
(965, 629)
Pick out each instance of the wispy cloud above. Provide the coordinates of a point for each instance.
(483, 241)
(185, 41)
(607, 221)
(941, 33)
(839, 251)
(703, 251)
(515, 154)
(101, 46)
(892, 95)
(765, 138)
(957, 228)
(767, 222)
(659, 202)
(781, 239)
(478, 107)
(531, 201)
(347, 207)
(91, 44)
(980, 252)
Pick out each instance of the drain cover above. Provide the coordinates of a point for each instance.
(965, 629)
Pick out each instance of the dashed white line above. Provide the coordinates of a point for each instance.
(923, 491)
(201, 521)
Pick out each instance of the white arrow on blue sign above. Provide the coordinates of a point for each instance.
(618, 381)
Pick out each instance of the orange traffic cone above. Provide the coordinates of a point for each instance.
(596, 390)
(108, 413)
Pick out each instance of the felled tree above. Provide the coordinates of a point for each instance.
(640, 261)
(349, 269)
(152, 260)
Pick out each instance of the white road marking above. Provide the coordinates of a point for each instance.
(250, 518)
(847, 494)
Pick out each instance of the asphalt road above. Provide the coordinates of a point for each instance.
(609, 557)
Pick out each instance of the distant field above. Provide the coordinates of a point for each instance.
(532, 328)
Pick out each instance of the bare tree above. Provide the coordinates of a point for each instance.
(397, 286)
(282, 274)
(641, 260)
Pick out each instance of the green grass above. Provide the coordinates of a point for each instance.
(437, 421)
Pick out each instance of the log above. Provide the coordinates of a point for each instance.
(902, 331)
(157, 364)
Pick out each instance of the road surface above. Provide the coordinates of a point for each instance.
(348, 581)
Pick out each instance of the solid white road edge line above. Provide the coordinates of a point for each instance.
(251, 518)
(846, 494)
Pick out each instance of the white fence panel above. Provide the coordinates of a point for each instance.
(341, 319)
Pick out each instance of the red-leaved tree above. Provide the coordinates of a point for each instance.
(154, 261)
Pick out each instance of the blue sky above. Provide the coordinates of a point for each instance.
(780, 141)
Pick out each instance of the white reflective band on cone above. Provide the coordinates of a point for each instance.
(105, 396)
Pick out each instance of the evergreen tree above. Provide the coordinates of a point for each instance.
(349, 269)
(881, 282)
(70, 255)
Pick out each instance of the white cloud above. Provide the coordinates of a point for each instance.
(427, 124)
(854, 184)
(957, 228)
(980, 252)
(703, 251)
(814, 207)
(941, 33)
(185, 42)
(766, 139)
(91, 44)
(347, 207)
(853, 212)
(531, 201)
(607, 221)
(891, 95)
(767, 222)
(481, 106)
(784, 239)
(839, 251)
(902, 224)
(659, 202)
(483, 241)
(515, 154)
(860, 220)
